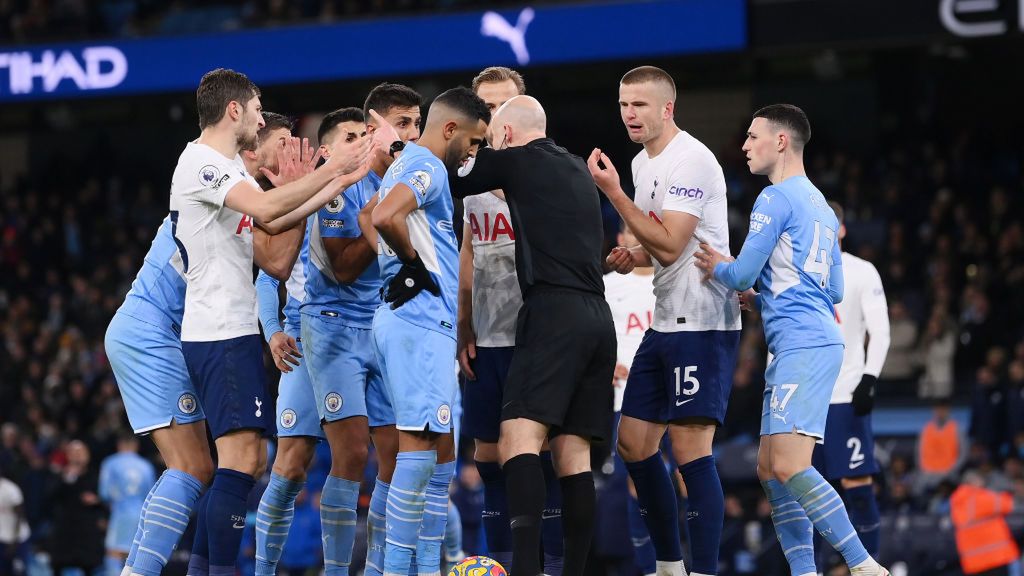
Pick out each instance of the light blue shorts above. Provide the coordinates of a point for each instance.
(151, 373)
(296, 405)
(346, 378)
(798, 387)
(419, 372)
(121, 531)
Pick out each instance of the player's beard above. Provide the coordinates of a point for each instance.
(453, 159)
(248, 141)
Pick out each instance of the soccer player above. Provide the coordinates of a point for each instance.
(848, 453)
(297, 429)
(414, 331)
(489, 302)
(632, 302)
(125, 480)
(342, 292)
(558, 380)
(792, 254)
(214, 205)
(682, 373)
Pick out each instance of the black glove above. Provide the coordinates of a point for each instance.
(864, 395)
(412, 277)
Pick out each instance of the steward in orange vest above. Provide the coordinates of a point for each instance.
(982, 536)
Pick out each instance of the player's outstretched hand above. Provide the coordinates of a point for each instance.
(349, 157)
(708, 258)
(384, 134)
(412, 278)
(285, 351)
(295, 159)
(466, 349)
(606, 177)
(620, 259)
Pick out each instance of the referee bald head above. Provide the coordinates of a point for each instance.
(519, 121)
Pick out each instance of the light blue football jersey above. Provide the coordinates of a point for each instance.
(161, 281)
(432, 235)
(792, 251)
(352, 304)
(125, 480)
(266, 293)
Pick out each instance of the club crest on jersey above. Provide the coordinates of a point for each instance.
(187, 403)
(420, 181)
(336, 205)
(653, 190)
(333, 402)
(288, 418)
(444, 414)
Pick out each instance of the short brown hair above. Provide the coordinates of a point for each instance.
(499, 74)
(649, 74)
(217, 89)
(838, 209)
(791, 118)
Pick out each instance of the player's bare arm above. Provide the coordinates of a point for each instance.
(707, 258)
(466, 339)
(664, 240)
(275, 249)
(350, 256)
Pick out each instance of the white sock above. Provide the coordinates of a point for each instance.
(666, 568)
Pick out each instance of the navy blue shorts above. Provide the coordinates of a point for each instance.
(231, 383)
(848, 450)
(677, 375)
(482, 398)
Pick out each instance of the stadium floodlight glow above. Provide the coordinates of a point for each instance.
(95, 68)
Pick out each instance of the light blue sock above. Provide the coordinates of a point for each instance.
(376, 529)
(142, 526)
(827, 512)
(406, 500)
(453, 535)
(273, 521)
(435, 518)
(166, 519)
(793, 529)
(338, 504)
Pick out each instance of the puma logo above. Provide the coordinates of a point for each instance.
(494, 25)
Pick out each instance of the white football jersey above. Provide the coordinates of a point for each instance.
(496, 294)
(631, 300)
(863, 310)
(686, 177)
(215, 243)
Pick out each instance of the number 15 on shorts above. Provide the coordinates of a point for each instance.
(684, 375)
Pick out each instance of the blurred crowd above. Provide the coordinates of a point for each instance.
(942, 224)
(44, 20)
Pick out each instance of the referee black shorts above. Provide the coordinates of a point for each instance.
(563, 364)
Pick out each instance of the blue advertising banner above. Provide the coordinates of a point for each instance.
(377, 48)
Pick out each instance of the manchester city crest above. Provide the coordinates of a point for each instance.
(187, 403)
(333, 402)
(444, 414)
(288, 418)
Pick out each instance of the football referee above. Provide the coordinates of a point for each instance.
(559, 382)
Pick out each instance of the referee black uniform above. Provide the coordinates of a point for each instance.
(564, 360)
(562, 367)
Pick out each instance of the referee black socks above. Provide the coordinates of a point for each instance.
(578, 503)
(524, 481)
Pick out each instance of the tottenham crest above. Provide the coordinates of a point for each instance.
(187, 403)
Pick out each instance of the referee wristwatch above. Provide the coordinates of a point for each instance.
(396, 146)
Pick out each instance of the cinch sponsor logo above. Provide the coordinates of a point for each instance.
(93, 68)
(686, 192)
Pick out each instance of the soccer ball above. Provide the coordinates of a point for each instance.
(478, 566)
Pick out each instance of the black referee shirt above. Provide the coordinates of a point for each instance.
(555, 209)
